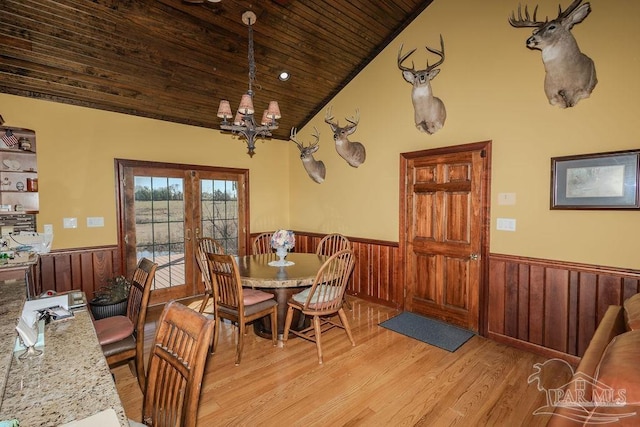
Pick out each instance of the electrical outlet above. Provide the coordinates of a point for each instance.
(506, 224)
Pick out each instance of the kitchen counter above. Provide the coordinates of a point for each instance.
(70, 381)
(12, 297)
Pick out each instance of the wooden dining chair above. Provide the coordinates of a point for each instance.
(239, 305)
(207, 245)
(122, 337)
(323, 300)
(262, 244)
(176, 368)
(329, 245)
(332, 243)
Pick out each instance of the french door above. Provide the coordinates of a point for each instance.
(165, 207)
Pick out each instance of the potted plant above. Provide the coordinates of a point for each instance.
(111, 299)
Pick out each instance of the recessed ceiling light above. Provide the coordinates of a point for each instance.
(284, 76)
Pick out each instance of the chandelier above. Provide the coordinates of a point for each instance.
(244, 123)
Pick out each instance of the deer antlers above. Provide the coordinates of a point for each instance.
(528, 22)
(294, 136)
(402, 58)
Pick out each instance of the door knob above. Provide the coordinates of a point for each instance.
(474, 257)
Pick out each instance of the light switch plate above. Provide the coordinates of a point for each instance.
(70, 222)
(506, 198)
(95, 221)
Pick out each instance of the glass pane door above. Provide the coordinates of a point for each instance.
(160, 225)
(165, 207)
(219, 219)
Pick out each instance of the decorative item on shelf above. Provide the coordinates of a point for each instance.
(20, 186)
(244, 123)
(9, 139)
(25, 144)
(111, 300)
(282, 241)
(6, 183)
(32, 184)
(12, 165)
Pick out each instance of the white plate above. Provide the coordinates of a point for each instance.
(12, 164)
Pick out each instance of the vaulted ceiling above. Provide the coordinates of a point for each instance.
(174, 60)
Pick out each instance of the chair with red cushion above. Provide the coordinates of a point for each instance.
(237, 304)
(122, 337)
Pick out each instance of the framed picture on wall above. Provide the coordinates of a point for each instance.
(596, 181)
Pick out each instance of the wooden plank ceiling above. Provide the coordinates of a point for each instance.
(174, 60)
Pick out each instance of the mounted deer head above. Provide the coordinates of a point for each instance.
(353, 152)
(570, 74)
(429, 111)
(315, 168)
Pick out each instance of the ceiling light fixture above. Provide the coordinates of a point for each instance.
(284, 76)
(244, 123)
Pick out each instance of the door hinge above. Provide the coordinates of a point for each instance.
(404, 291)
(123, 181)
(483, 153)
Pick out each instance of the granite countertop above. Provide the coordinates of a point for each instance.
(12, 297)
(70, 381)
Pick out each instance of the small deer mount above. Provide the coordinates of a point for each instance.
(315, 168)
(353, 152)
(429, 111)
(570, 74)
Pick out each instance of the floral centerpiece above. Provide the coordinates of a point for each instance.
(282, 241)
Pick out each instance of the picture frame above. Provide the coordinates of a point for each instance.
(596, 181)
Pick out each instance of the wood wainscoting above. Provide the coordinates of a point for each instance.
(548, 307)
(375, 276)
(551, 307)
(86, 269)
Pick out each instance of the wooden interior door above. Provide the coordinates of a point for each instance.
(445, 232)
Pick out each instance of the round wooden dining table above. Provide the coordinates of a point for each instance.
(283, 282)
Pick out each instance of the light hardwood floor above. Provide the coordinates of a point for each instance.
(387, 379)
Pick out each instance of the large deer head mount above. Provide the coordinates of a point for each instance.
(429, 111)
(315, 168)
(570, 74)
(353, 152)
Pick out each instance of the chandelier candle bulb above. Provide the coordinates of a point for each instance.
(265, 118)
(246, 105)
(224, 110)
(238, 120)
(274, 110)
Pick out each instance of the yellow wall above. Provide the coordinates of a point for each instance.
(492, 86)
(76, 151)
